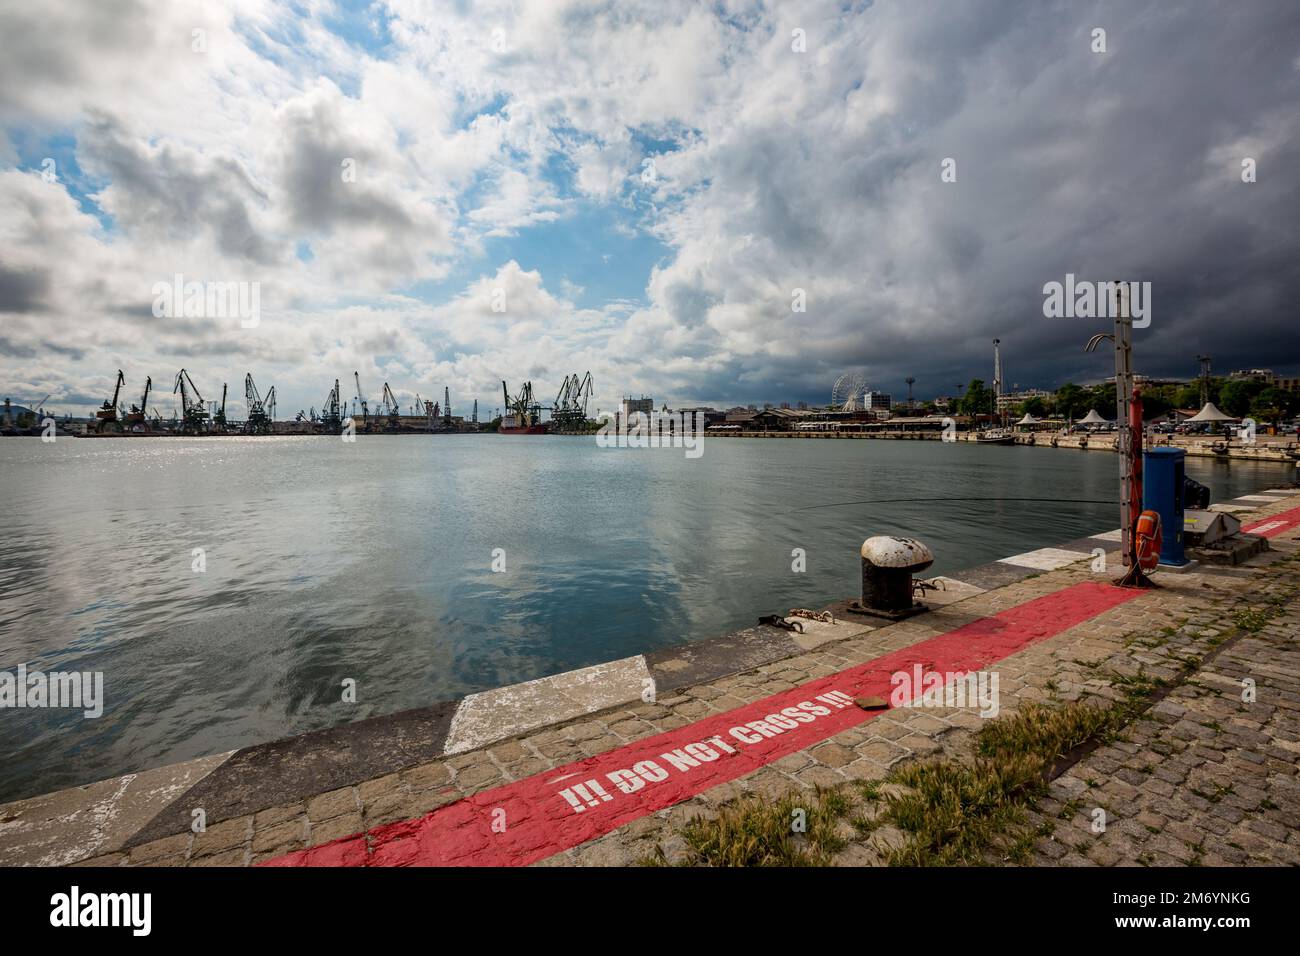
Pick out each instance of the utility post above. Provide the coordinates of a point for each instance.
(1123, 395)
(1129, 435)
(1204, 361)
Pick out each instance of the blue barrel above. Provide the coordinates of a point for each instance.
(1162, 492)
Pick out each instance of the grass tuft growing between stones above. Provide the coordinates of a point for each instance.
(956, 812)
(797, 830)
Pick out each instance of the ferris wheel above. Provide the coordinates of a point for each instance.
(846, 393)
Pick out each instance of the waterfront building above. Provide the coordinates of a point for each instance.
(1009, 399)
(630, 406)
(1267, 376)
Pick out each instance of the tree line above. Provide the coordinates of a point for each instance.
(1237, 397)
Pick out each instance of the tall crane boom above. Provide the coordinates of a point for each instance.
(365, 412)
(107, 413)
(137, 414)
(261, 411)
(219, 418)
(391, 411)
(194, 414)
(331, 419)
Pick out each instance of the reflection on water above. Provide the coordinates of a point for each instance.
(372, 561)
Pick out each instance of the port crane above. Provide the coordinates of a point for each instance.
(261, 411)
(219, 416)
(570, 407)
(390, 409)
(136, 416)
(331, 418)
(365, 412)
(194, 413)
(107, 415)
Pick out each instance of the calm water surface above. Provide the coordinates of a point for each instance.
(373, 561)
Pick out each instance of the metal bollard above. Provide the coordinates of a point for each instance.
(888, 564)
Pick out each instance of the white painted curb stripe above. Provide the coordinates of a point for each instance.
(506, 712)
(1045, 559)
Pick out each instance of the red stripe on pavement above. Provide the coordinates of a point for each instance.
(1274, 526)
(531, 819)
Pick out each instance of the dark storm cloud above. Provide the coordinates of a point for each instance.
(29, 350)
(23, 290)
(1118, 165)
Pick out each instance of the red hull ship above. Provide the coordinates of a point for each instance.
(538, 429)
(523, 416)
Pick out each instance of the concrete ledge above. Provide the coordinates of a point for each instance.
(282, 771)
(690, 664)
(996, 574)
(817, 633)
(60, 828)
(951, 591)
(1045, 559)
(506, 712)
(1233, 507)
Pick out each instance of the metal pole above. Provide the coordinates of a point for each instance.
(1123, 392)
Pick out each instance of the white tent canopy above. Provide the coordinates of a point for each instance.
(1029, 420)
(1210, 414)
(1092, 418)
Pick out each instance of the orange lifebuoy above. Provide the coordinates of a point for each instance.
(1149, 540)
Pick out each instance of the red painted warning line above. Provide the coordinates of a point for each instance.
(1274, 526)
(529, 820)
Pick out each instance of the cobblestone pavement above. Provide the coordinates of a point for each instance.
(1201, 778)
(1209, 775)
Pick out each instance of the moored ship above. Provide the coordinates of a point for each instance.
(523, 416)
(511, 425)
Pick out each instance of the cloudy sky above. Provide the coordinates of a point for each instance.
(441, 193)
